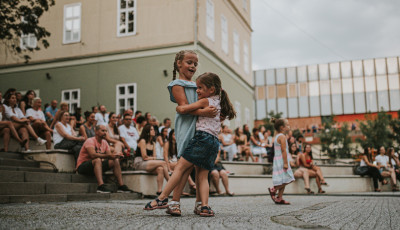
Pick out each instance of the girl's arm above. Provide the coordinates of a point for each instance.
(109, 139)
(184, 109)
(165, 152)
(252, 139)
(365, 158)
(218, 156)
(179, 94)
(282, 142)
(82, 132)
(61, 131)
(142, 145)
(304, 162)
(160, 141)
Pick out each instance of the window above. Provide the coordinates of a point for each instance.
(238, 119)
(27, 40)
(126, 17)
(210, 19)
(259, 77)
(126, 97)
(346, 69)
(236, 55)
(281, 91)
(246, 57)
(292, 90)
(72, 97)
(72, 23)
(312, 72)
(271, 92)
(224, 34)
(260, 92)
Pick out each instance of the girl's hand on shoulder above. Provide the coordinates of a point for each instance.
(179, 109)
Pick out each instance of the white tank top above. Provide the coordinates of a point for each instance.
(362, 163)
(57, 138)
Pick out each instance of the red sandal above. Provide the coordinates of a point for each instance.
(282, 201)
(272, 193)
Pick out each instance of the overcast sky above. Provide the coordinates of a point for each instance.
(301, 32)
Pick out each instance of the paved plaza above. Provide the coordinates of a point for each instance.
(244, 212)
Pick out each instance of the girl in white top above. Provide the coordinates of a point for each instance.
(64, 136)
(117, 142)
(382, 161)
(20, 122)
(228, 142)
(257, 147)
(202, 149)
(160, 143)
(7, 127)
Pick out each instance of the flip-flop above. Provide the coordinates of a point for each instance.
(272, 193)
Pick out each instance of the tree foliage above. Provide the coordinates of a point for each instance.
(336, 141)
(267, 121)
(395, 126)
(21, 17)
(376, 131)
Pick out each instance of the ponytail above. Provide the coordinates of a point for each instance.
(227, 109)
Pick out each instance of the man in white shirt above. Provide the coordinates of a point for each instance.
(129, 132)
(102, 116)
(166, 124)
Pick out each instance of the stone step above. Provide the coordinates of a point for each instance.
(8, 155)
(249, 168)
(26, 169)
(47, 177)
(253, 185)
(36, 188)
(19, 163)
(14, 146)
(68, 197)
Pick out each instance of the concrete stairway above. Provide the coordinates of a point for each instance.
(255, 178)
(23, 180)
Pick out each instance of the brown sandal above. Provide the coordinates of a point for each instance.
(272, 193)
(321, 191)
(309, 191)
(206, 211)
(174, 209)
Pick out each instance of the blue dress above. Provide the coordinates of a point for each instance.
(185, 124)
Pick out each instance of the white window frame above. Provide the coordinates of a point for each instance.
(236, 45)
(126, 96)
(27, 40)
(210, 22)
(71, 101)
(126, 11)
(72, 40)
(224, 34)
(246, 57)
(238, 108)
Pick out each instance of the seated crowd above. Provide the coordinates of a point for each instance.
(98, 140)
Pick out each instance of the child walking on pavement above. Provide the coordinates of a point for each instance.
(202, 149)
(282, 172)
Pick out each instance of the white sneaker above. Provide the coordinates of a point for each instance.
(40, 141)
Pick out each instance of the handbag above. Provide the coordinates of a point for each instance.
(361, 170)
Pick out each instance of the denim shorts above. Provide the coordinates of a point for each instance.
(202, 150)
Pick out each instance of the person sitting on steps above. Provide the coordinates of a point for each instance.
(95, 158)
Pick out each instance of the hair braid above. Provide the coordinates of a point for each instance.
(179, 57)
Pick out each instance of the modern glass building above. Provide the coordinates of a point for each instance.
(340, 88)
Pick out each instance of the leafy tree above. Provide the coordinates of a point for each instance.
(336, 142)
(376, 131)
(267, 121)
(395, 126)
(21, 17)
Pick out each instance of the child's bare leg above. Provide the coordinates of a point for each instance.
(197, 181)
(280, 193)
(181, 185)
(182, 168)
(203, 186)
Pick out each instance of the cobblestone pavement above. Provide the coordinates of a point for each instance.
(247, 212)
